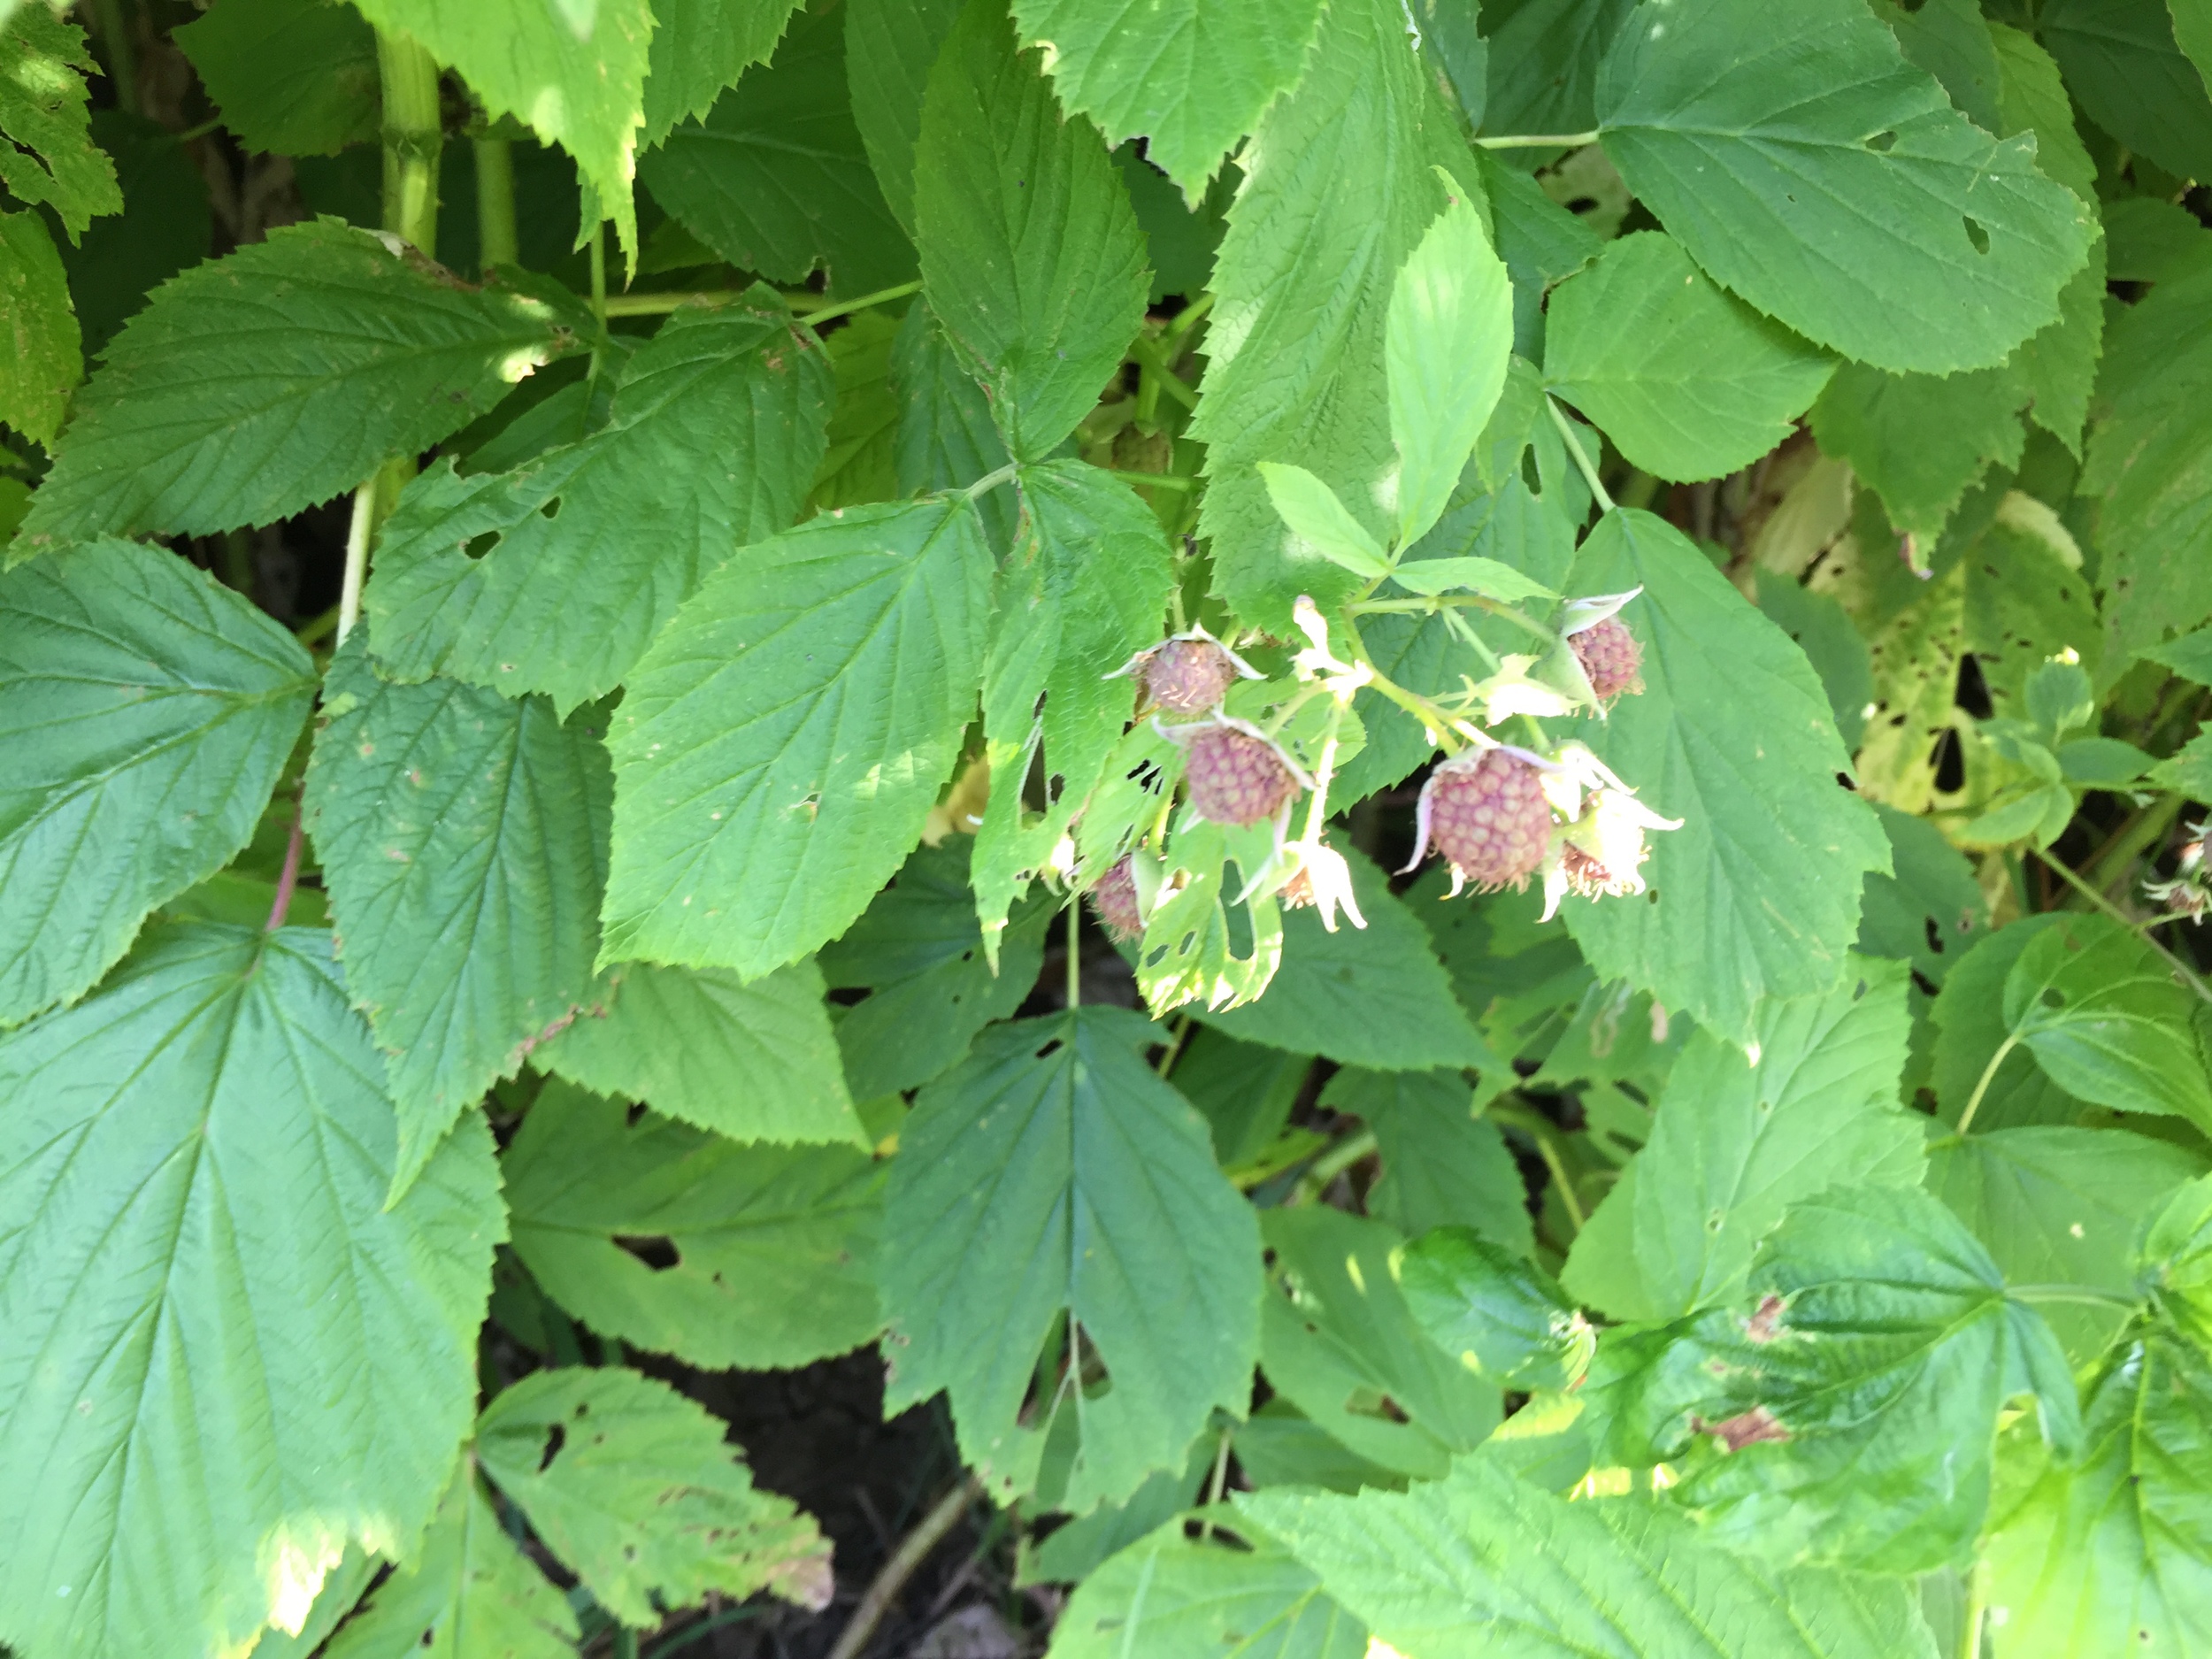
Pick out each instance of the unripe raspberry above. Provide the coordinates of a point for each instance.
(1188, 676)
(1115, 901)
(1611, 657)
(1236, 776)
(1487, 815)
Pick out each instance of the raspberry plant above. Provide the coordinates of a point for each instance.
(626, 573)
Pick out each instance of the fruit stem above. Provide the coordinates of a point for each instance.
(1443, 726)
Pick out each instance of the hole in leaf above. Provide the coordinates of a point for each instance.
(1927, 987)
(1976, 234)
(1935, 935)
(1949, 760)
(1049, 1050)
(1882, 143)
(657, 1252)
(551, 509)
(555, 1437)
(2052, 997)
(631, 1116)
(1530, 475)
(479, 545)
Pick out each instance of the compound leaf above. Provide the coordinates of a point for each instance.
(633, 1486)
(1032, 259)
(463, 842)
(1053, 1174)
(228, 1356)
(254, 386)
(684, 1243)
(1758, 891)
(1818, 175)
(723, 411)
(782, 743)
(149, 712)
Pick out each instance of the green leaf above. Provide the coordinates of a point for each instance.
(47, 359)
(1442, 1165)
(2122, 63)
(1951, 41)
(633, 1486)
(1921, 441)
(1374, 996)
(555, 577)
(1318, 520)
(1071, 1552)
(1031, 257)
(774, 176)
(1340, 1343)
(1445, 342)
(1861, 1391)
(754, 1061)
(1501, 1317)
(254, 386)
(1189, 78)
(700, 47)
(1053, 1172)
(1085, 590)
(1482, 1564)
(1686, 379)
(341, 1591)
(1824, 630)
(2113, 1553)
(1541, 241)
(1337, 193)
(945, 439)
(1544, 57)
(779, 746)
(1170, 1597)
(2061, 1206)
(471, 1590)
(2027, 602)
(463, 843)
(2176, 1260)
(291, 77)
(163, 227)
(1734, 1144)
(890, 46)
(2151, 460)
(2105, 1017)
(577, 83)
(50, 159)
(920, 953)
(860, 463)
(1822, 178)
(194, 1165)
(150, 712)
(684, 1243)
(1970, 1027)
(1486, 577)
(1758, 891)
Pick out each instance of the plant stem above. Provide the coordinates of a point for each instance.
(496, 241)
(1075, 951)
(1155, 480)
(1989, 1073)
(2086, 1294)
(1574, 448)
(1175, 1041)
(1335, 1161)
(1558, 1168)
(1538, 141)
(912, 1551)
(2149, 828)
(598, 298)
(115, 34)
(2140, 929)
(357, 530)
(414, 137)
(288, 878)
(1220, 1479)
(990, 481)
(819, 314)
(1415, 704)
(1976, 1595)
(624, 1643)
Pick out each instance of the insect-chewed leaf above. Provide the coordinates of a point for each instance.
(1817, 174)
(1031, 257)
(717, 427)
(256, 386)
(463, 840)
(1053, 1174)
(1441, 1570)
(51, 160)
(47, 360)
(228, 1357)
(1733, 1145)
(1757, 893)
(145, 714)
(634, 1487)
(684, 1243)
(781, 745)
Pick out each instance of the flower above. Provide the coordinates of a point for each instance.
(1602, 850)
(1323, 879)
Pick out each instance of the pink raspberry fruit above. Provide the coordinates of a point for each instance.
(1487, 815)
(1114, 901)
(1611, 657)
(1188, 676)
(1235, 777)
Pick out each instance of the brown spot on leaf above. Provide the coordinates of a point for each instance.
(1745, 1428)
(1765, 1322)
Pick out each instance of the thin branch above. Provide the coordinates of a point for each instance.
(1989, 1073)
(288, 876)
(1538, 141)
(1574, 448)
(890, 1578)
